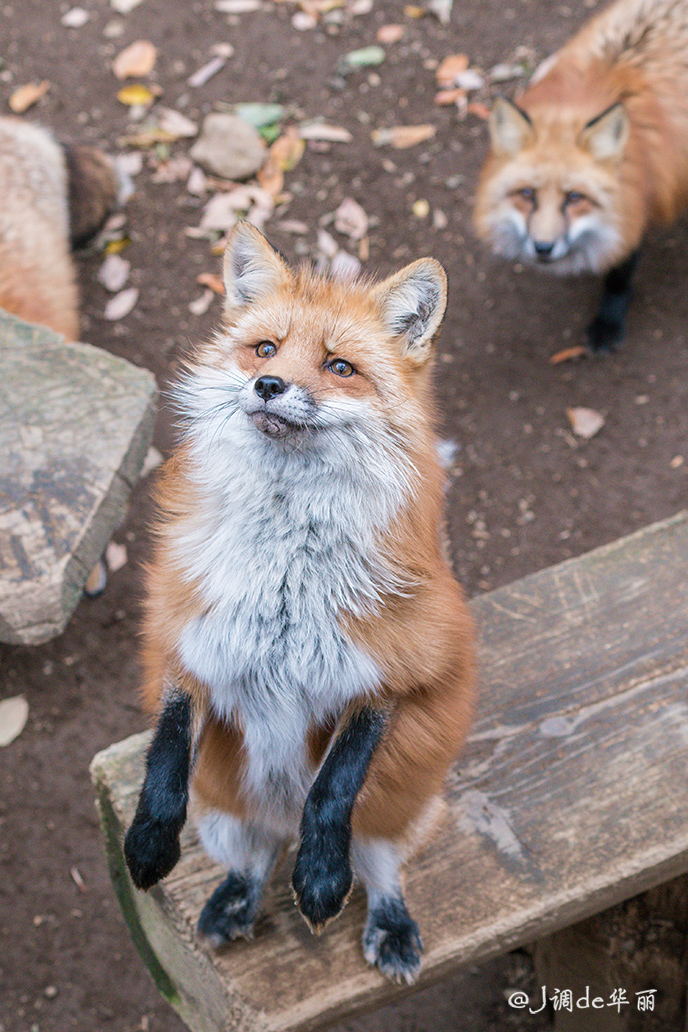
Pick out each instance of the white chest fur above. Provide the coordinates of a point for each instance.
(283, 548)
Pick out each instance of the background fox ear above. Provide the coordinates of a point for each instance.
(605, 135)
(510, 127)
(252, 267)
(412, 304)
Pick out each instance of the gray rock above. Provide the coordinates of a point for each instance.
(228, 147)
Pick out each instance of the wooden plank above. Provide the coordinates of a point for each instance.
(75, 425)
(570, 797)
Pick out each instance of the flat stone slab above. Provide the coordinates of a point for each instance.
(570, 796)
(75, 426)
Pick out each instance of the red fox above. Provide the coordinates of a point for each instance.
(53, 196)
(594, 151)
(307, 650)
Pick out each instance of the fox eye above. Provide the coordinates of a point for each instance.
(340, 367)
(266, 349)
(527, 193)
(573, 197)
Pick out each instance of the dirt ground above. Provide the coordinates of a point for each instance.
(524, 493)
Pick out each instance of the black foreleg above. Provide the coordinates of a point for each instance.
(607, 330)
(151, 846)
(322, 875)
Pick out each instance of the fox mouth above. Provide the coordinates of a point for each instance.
(273, 425)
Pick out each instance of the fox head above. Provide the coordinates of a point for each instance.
(304, 364)
(551, 193)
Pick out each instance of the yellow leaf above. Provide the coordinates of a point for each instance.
(26, 96)
(287, 150)
(137, 93)
(117, 246)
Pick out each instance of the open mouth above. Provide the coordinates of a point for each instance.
(273, 425)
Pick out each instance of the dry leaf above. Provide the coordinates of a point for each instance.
(14, 712)
(96, 582)
(136, 94)
(450, 68)
(75, 18)
(414, 11)
(124, 6)
(75, 875)
(115, 556)
(222, 211)
(174, 170)
(325, 132)
(390, 33)
(303, 21)
(212, 281)
(201, 305)
(351, 219)
(207, 71)
(197, 183)
(677, 462)
(470, 80)
(403, 136)
(585, 422)
(114, 272)
(294, 226)
(568, 354)
(479, 109)
(288, 149)
(442, 10)
(121, 304)
(449, 96)
(175, 124)
(327, 245)
(26, 96)
(135, 60)
(421, 208)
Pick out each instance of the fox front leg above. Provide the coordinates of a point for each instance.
(322, 875)
(607, 330)
(151, 846)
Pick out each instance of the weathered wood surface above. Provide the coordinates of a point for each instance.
(75, 425)
(638, 945)
(571, 796)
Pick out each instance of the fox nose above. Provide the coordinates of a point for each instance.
(269, 387)
(543, 248)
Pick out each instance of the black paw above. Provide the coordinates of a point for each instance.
(604, 336)
(230, 911)
(392, 942)
(151, 850)
(321, 882)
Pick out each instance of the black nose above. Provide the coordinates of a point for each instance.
(542, 248)
(269, 386)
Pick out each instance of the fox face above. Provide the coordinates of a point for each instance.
(550, 193)
(304, 364)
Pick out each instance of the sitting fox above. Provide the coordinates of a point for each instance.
(307, 650)
(593, 152)
(53, 197)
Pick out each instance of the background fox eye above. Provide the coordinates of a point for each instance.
(574, 196)
(266, 349)
(527, 193)
(341, 367)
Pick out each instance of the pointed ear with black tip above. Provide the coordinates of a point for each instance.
(252, 267)
(510, 128)
(412, 304)
(605, 135)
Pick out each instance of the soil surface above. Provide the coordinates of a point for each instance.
(524, 492)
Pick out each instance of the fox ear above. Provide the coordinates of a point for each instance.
(412, 304)
(510, 127)
(605, 135)
(252, 267)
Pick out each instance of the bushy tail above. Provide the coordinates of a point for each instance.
(93, 188)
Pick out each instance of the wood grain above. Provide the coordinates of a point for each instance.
(75, 425)
(571, 796)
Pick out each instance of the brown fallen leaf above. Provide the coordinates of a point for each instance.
(75, 875)
(121, 304)
(138, 59)
(585, 422)
(96, 582)
(350, 219)
(451, 67)
(480, 110)
(14, 712)
(212, 281)
(325, 132)
(568, 354)
(390, 33)
(26, 96)
(403, 136)
(414, 11)
(175, 124)
(449, 96)
(677, 462)
(116, 556)
(201, 304)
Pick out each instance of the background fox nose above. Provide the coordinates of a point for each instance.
(269, 386)
(543, 249)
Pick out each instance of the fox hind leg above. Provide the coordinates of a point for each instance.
(248, 852)
(391, 938)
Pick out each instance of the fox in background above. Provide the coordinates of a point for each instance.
(54, 197)
(307, 650)
(593, 152)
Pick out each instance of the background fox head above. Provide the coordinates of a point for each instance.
(305, 365)
(552, 191)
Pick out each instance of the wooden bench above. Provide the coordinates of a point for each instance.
(75, 425)
(571, 796)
